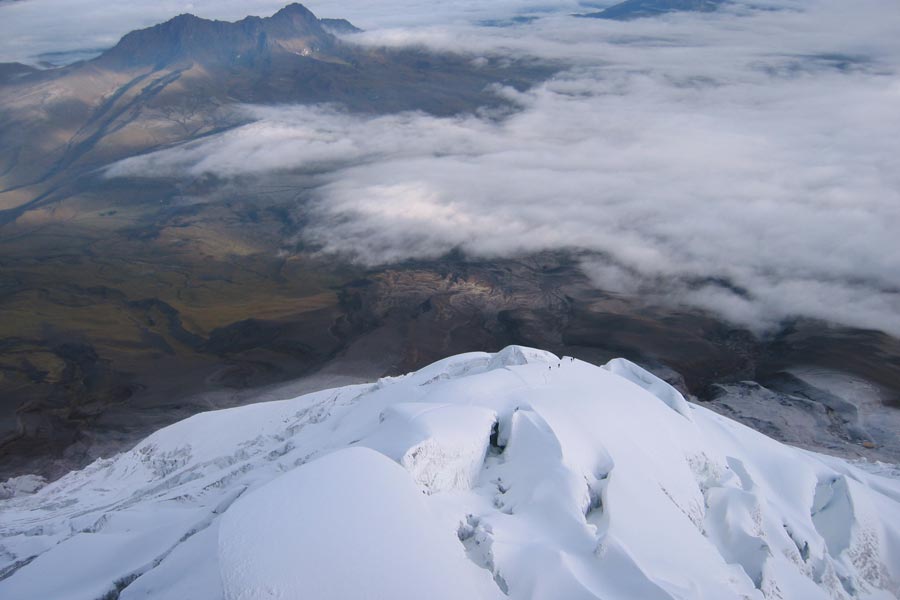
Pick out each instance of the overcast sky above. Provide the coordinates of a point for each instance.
(743, 161)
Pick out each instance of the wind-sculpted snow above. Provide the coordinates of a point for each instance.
(517, 474)
(354, 505)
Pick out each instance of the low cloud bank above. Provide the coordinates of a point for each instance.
(742, 161)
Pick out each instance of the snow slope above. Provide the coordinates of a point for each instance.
(516, 474)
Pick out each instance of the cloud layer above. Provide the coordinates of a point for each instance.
(744, 162)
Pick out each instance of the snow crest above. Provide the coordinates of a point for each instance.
(517, 474)
(653, 384)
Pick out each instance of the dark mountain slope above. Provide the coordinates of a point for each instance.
(11, 71)
(636, 9)
(339, 26)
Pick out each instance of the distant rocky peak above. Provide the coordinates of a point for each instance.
(182, 21)
(189, 39)
(294, 20)
(295, 12)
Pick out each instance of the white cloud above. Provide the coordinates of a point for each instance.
(745, 164)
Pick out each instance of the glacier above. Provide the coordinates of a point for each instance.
(517, 474)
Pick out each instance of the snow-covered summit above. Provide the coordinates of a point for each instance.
(516, 474)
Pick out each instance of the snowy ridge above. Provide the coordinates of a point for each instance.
(516, 474)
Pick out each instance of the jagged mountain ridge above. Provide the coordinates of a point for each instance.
(186, 38)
